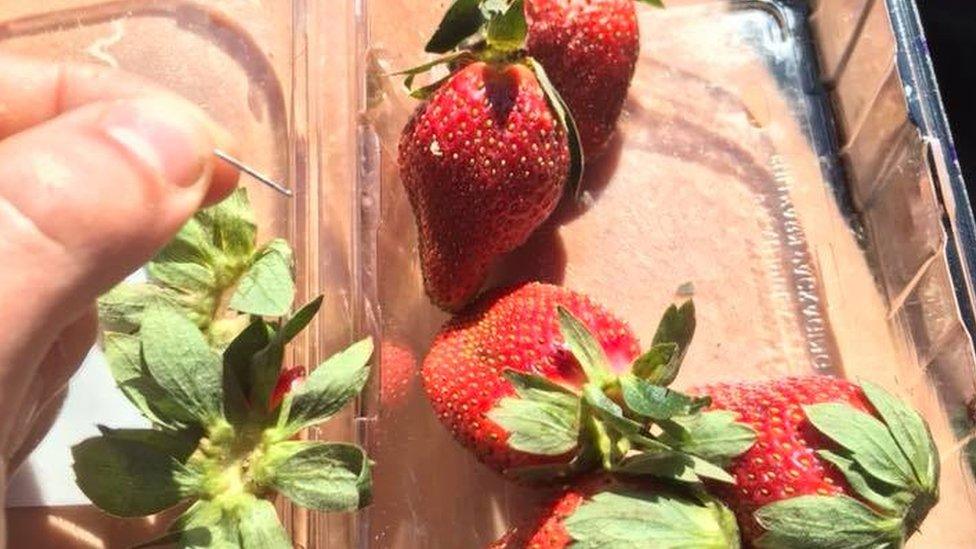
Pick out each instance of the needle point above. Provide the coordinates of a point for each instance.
(252, 172)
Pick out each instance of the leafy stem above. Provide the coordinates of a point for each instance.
(631, 421)
(209, 384)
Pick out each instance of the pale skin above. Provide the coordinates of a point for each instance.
(98, 170)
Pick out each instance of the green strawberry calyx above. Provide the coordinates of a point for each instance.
(628, 424)
(891, 464)
(501, 23)
(199, 350)
(629, 516)
(494, 31)
(213, 271)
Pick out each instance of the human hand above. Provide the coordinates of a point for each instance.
(98, 170)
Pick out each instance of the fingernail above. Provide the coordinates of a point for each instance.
(166, 137)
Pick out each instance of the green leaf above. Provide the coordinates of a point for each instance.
(187, 278)
(254, 358)
(155, 403)
(574, 178)
(542, 419)
(193, 286)
(260, 527)
(655, 3)
(178, 445)
(672, 431)
(672, 465)
(619, 519)
(658, 365)
(655, 401)
(127, 478)
(529, 385)
(551, 473)
(321, 476)
(463, 19)
(707, 469)
(252, 340)
(221, 331)
(677, 326)
(239, 368)
(507, 31)
(910, 433)
(648, 444)
(233, 225)
(123, 354)
(219, 241)
(300, 319)
(120, 310)
(192, 244)
(412, 73)
(825, 522)
(606, 427)
(587, 350)
(608, 410)
(267, 288)
(425, 92)
(667, 465)
(714, 436)
(330, 386)
(595, 435)
(869, 442)
(205, 525)
(265, 367)
(878, 493)
(180, 360)
(201, 513)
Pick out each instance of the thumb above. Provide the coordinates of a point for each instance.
(88, 197)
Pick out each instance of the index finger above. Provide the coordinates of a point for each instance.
(33, 91)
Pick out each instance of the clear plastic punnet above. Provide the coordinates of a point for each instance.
(788, 159)
(786, 162)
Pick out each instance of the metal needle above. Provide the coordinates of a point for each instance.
(252, 172)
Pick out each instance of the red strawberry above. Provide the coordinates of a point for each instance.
(589, 49)
(786, 461)
(623, 516)
(484, 161)
(288, 380)
(517, 329)
(546, 531)
(398, 366)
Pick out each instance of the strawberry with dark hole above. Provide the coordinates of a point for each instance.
(848, 458)
(589, 49)
(484, 161)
